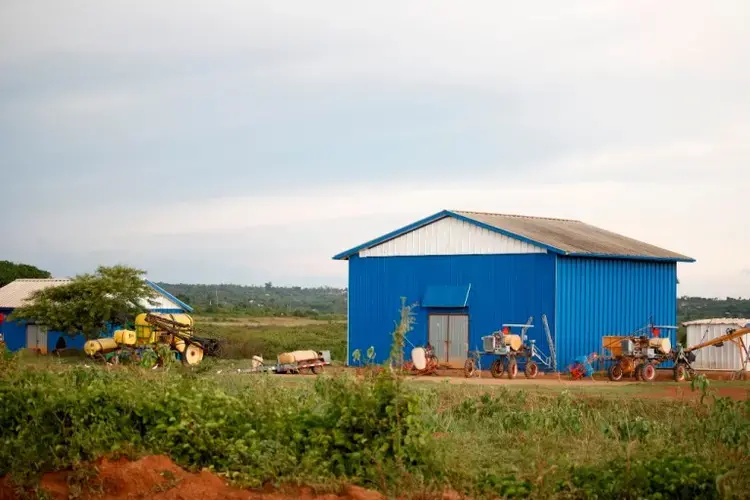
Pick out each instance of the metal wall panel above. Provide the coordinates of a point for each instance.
(726, 357)
(14, 332)
(450, 236)
(597, 297)
(504, 289)
(458, 332)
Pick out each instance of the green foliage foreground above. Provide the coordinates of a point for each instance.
(376, 432)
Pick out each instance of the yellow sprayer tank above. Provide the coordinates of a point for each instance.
(125, 337)
(103, 346)
(145, 331)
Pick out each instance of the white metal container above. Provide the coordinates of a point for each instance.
(726, 357)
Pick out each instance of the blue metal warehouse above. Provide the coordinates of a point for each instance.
(20, 335)
(469, 272)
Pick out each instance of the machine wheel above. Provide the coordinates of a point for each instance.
(615, 372)
(317, 369)
(512, 368)
(638, 372)
(648, 372)
(192, 355)
(469, 368)
(680, 372)
(497, 368)
(531, 370)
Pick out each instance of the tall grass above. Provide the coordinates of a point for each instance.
(406, 439)
(268, 341)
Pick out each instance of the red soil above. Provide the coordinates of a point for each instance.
(157, 477)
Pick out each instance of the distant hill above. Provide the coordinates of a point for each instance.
(690, 308)
(267, 300)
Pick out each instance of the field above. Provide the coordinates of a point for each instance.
(212, 432)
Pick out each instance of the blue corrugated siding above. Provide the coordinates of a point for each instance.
(13, 332)
(504, 289)
(597, 297)
(71, 341)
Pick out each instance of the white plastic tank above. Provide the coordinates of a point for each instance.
(419, 358)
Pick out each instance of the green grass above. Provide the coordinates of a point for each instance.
(244, 341)
(405, 438)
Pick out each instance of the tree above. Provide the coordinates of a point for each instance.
(11, 271)
(90, 302)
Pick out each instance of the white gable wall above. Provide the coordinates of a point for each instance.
(450, 236)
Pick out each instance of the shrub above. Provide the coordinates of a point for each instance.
(663, 478)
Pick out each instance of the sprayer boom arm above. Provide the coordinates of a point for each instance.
(718, 340)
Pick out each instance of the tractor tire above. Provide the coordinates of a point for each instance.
(192, 355)
(512, 368)
(531, 370)
(469, 368)
(615, 372)
(648, 372)
(637, 372)
(317, 369)
(680, 372)
(497, 368)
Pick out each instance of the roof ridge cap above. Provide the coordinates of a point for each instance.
(516, 216)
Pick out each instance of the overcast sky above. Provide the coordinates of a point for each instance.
(246, 141)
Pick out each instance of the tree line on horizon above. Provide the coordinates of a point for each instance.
(268, 299)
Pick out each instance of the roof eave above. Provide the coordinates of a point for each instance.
(629, 257)
(169, 296)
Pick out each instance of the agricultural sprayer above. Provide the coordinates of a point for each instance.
(507, 349)
(638, 355)
(174, 332)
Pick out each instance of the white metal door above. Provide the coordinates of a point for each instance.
(36, 337)
(41, 339)
(32, 336)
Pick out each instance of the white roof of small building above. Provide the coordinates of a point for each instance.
(16, 293)
(718, 321)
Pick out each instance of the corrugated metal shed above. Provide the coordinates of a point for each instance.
(16, 293)
(589, 282)
(560, 236)
(726, 357)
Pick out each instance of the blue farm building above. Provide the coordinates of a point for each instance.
(468, 273)
(26, 335)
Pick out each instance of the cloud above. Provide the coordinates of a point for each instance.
(167, 134)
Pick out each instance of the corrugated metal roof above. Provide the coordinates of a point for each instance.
(15, 294)
(572, 236)
(562, 236)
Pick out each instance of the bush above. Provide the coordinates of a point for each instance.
(663, 478)
(341, 428)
